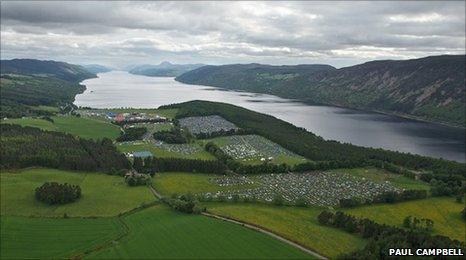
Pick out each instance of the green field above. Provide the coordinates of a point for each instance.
(159, 152)
(159, 232)
(80, 126)
(444, 211)
(380, 175)
(102, 195)
(297, 224)
(46, 238)
(195, 183)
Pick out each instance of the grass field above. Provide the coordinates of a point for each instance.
(102, 195)
(47, 238)
(444, 211)
(379, 175)
(159, 232)
(182, 183)
(297, 224)
(159, 152)
(80, 126)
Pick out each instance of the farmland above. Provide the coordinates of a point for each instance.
(444, 211)
(48, 238)
(159, 232)
(297, 224)
(102, 195)
(82, 127)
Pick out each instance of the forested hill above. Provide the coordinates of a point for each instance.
(60, 70)
(333, 154)
(164, 69)
(431, 88)
(26, 84)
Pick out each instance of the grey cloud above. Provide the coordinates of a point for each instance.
(224, 32)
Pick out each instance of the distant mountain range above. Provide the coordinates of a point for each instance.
(95, 68)
(431, 88)
(60, 70)
(164, 69)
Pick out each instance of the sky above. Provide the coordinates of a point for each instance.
(119, 34)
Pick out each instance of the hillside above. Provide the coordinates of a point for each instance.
(95, 68)
(430, 88)
(26, 84)
(164, 69)
(60, 70)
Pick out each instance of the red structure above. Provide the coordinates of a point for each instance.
(119, 118)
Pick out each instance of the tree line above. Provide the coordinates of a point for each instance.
(28, 146)
(151, 165)
(383, 237)
(386, 197)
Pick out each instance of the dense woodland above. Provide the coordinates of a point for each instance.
(314, 147)
(151, 165)
(173, 136)
(132, 134)
(57, 193)
(27, 146)
(383, 237)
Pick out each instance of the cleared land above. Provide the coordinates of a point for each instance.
(296, 224)
(80, 126)
(102, 195)
(381, 176)
(250, 149)
(195, 183)
(47, 238)
(159, 232)
(444, 211)
(187, 151)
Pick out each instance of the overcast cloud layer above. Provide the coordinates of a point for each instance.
(337, 33)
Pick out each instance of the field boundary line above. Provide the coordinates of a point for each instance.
(267, 232)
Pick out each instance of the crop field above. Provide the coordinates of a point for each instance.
(53, 238)
(206, 124)
(444, 211)
(250, 149)
(159, 232)
(195, 183)
(381, 176)
(187, 151)
(80, 126)
(102, 195)
(297, 224)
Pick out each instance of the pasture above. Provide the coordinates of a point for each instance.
(158, 232)
(53, 238)
(296, 224)
(444, 211)
(102, 195)
(79, 126)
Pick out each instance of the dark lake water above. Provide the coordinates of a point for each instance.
(121, 89)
